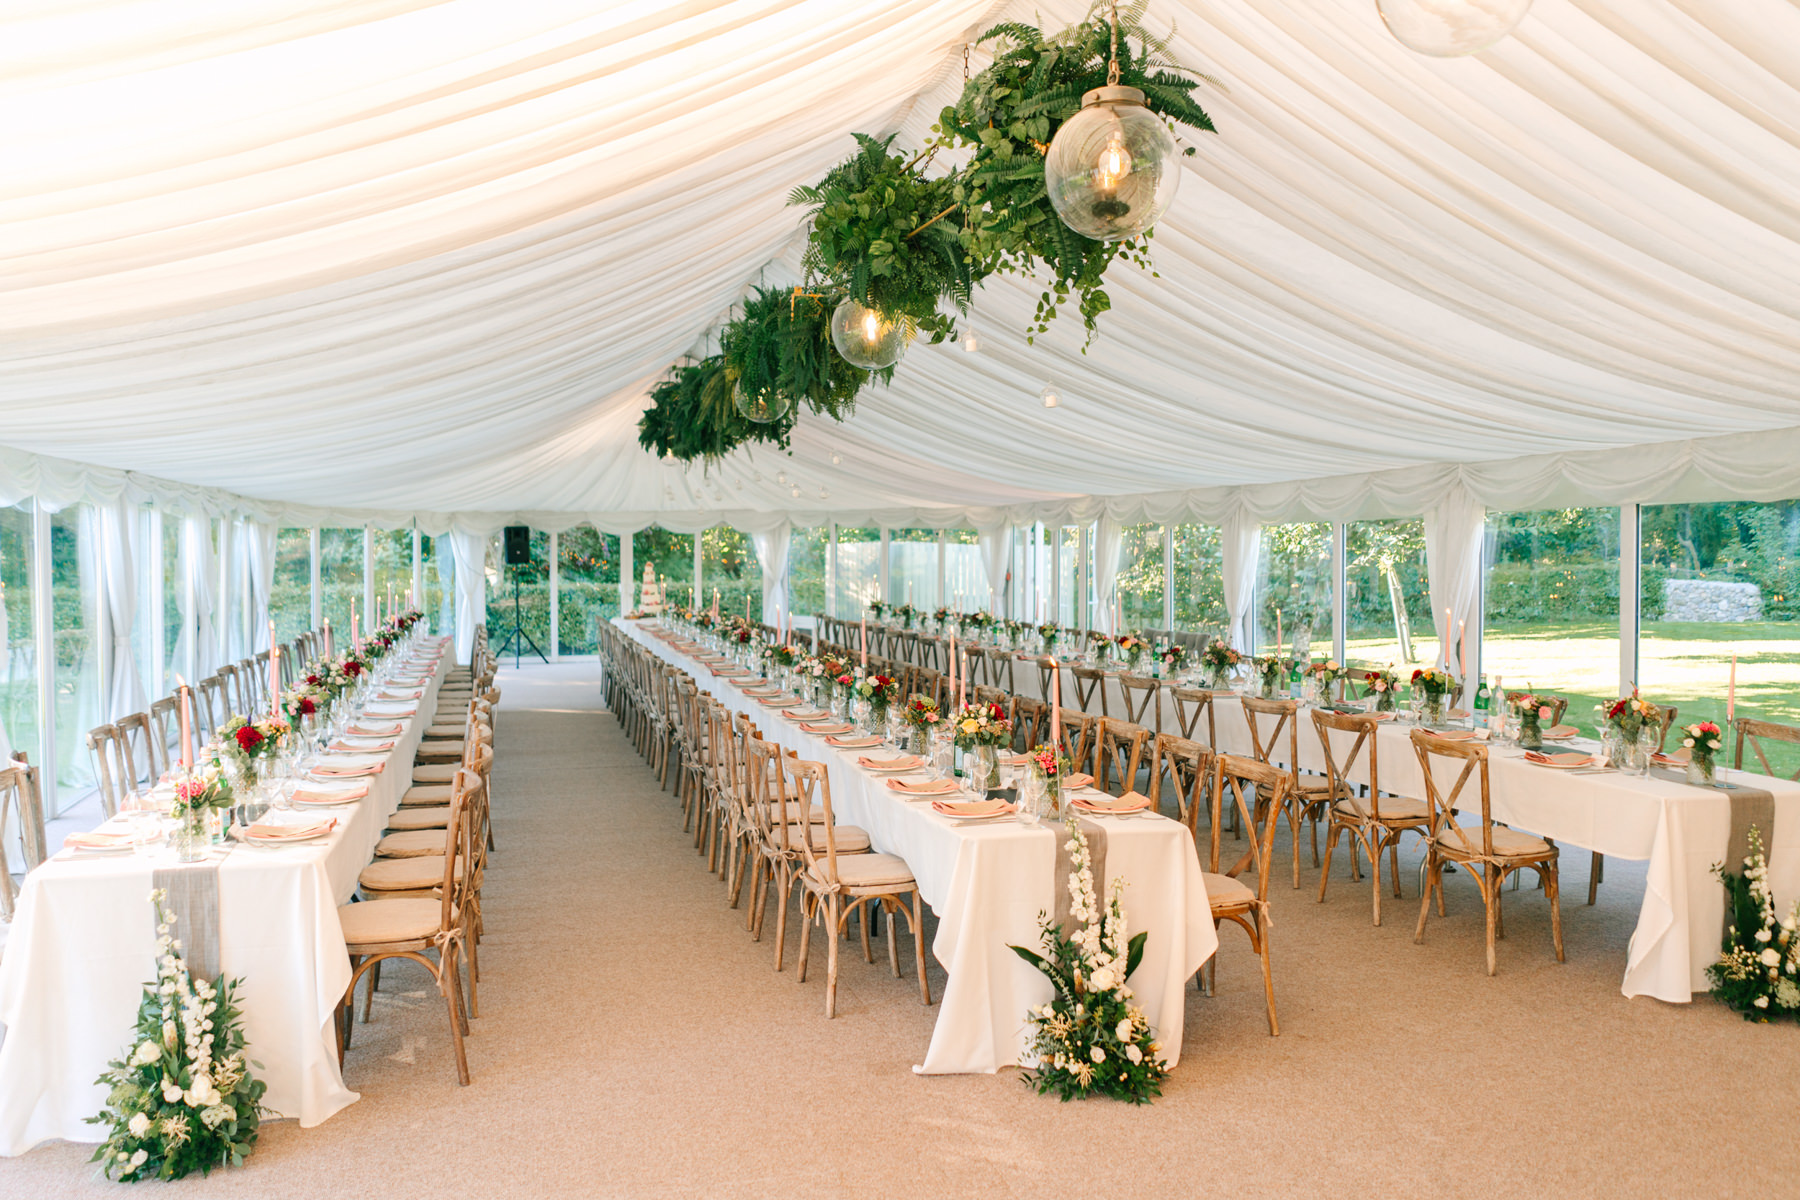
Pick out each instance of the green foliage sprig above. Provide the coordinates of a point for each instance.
(914, 246)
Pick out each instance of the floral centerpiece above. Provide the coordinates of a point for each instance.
(183, 1098)
(942, 616)
(201, 796)
(1330, 672)
(1533, 711)
(907, 614)
(877, 609)
(921, 716)
(979, 730)
(1383, 684)
(1172, 656)
(1703, 742)
(1433, 684)
(1047, 634)
(1629, 729)
(1049, 767)
(880, 691)
(780, 655)
(740, 633)
(1015, 632)
(1131, 650)
(978, 621)
(1099, 645)
(1220, 659)
(1091, 1040)
(1270, 669)
(250, 745)
(1757, 972)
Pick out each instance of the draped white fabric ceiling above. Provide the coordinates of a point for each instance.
(422, 258)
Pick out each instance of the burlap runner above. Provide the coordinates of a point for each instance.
(192, 894)
(1750, 806)
(1096, 839)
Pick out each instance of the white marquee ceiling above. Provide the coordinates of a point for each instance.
(398, 255)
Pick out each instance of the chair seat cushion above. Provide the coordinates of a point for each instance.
(435, 772)
(1226, 893)
(426, 795)
(456, 730)
(849, 839)
(419, 818)
(868, 870)
(412, 843)
(440, 751)
(374, 922)
(403, 874)
(791, 812)
(1508, 843)
(1393, 808)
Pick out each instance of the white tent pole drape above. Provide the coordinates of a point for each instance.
(1453, 541)
(1240, 544)
(1108, 534)
(995, 543)
(627, 571)
(197, 647)
(223, 616)
(118, 554)
(772, 553)
(260, 536)
(470, 553)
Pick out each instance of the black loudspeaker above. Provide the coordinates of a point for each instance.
(518, 545)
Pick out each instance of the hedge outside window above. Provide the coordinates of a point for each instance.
(19, 684)
(806, 570)
(732, 572)
(1200, 580)
(533, 608)
(290, 596)
(340, 579)
(1140, 581)
(1293, 589)
(587, 587)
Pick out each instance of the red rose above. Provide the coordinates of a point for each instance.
(1416, 674)
(313, 680)
(248, 738)
(306, 707)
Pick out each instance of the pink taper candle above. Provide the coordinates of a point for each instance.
(1463, 644)
(1055, 705)
(953, 667)
(863, 638)
(187, 731)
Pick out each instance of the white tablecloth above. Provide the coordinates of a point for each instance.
(83, 946)
(1680, 830)
(988, 887)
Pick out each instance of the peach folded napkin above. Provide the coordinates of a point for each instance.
(1568, 759)
(937, 787)
(268, 832)
(853, 743)
(730, 672)
(374, 729)
(837, 728)
(349, 769)
(1128, 803)
(762, 691)
(1558, 733)
(806, 714)
(96, 840)
(1453, 735)
(906, 762)
(398, 682)
(972, 808)
(1075, 781)
(777, 701)
(402, 694)
(310, 795)
(1675, 758)
(361, 746)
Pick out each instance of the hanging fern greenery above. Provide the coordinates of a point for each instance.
(915, 246)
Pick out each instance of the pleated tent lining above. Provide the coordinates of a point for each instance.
(419, 262)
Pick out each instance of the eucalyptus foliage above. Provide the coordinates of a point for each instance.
(886, 234)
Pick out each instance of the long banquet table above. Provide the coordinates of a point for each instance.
(1681, 831)
(83, 946)
(988, 886)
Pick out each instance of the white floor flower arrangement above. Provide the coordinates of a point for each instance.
(1758, 972)
(182, 1097)
(1090, 1040)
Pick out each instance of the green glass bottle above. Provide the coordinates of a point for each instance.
(1484, 697)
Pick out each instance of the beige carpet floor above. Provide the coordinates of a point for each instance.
(634, 1042)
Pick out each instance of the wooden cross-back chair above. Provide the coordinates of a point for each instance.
(209, 698)
(22, 803)
(1488, 852)
(1081, 739)
(1373, 821)
(834, 885)
(1275, 741)
(1254, 788)
(148, 754)
(1187, 765)
(251, 685)
(231, 693)
(1191, 705)
(1755, 733)
(1140, 693)
(1047, 675)
(1031, 723)
(115, 770)
(930, 683)
(1121, 753)
(930, 653)
(1088, 682)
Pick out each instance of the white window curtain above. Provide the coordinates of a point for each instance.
(772, 553)
(1108, 536)
(260, 539)
(1240, 546)
(197, 647)
(995, 545)
(118, 608)
(1454, 529)
(470, 552)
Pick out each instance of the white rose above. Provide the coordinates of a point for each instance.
(171, 1091)
(1771, 957)
(138, 1159)
(1134, 1054)
(1762, 935)
(1123, 1032)
(146, 1053)
(1687, 741)
(1097, 1054)
(1761, 1002)
(139, 1124)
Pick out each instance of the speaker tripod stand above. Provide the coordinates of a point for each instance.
(517, 638)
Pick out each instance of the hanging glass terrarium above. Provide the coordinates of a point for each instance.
(761, 405)
(867, 337)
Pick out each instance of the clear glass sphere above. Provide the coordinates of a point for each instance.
(1448, 28)
(762, 406)
(867, 338)
(1111, 169)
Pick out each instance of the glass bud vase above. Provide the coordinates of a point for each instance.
(1700, 771)
(1431, 712)
(981, 765)
(1531, 731)
(190, 837)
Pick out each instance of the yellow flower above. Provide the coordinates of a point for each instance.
(969, 726)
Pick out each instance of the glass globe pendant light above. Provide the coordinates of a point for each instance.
(763, 405)
(1111, 170)
(866, 337)
(1449, 28)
